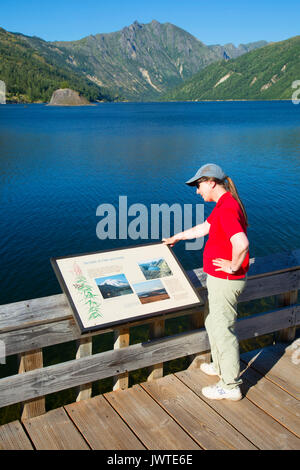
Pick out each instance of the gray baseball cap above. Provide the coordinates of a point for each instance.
(210, 170)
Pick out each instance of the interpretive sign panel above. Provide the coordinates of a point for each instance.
(113, 287)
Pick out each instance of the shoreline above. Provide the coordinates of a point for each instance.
(26, 103)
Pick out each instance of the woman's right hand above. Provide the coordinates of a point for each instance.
(170, 241)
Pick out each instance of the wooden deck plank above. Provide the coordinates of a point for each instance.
(154, 427)
(195, 416)
(275, 365)
(256, 425)
(272, 399)
(101, 426)
(13, 437)
(54, 431)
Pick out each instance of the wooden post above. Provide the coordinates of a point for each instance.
(84, 348)
(30, 361)
(288, 298)
(121, 341)
(157, 330)
(196, 322)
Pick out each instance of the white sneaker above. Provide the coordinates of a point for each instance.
(216, 392)
(208, 369)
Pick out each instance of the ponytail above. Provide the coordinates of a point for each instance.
(230, 186)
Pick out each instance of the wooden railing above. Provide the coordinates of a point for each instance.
(29, 326)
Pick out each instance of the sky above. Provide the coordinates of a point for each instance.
(215, 22)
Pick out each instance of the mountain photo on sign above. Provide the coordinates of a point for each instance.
(155, 268)
(150, 291)
(113, 286)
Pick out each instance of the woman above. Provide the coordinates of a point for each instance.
(226, 262)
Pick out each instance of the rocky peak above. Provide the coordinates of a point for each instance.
(137, 25)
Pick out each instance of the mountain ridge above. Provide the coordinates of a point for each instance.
(141, 62)
(32, 75)
(262, 74)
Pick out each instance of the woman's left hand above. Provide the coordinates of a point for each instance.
(223, 265)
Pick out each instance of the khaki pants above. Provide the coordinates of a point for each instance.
(219, 320)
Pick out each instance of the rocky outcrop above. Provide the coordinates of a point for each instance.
(223, 79)
(67, 97)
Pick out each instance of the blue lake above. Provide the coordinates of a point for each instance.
(59, 164)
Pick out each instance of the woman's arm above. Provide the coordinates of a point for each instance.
(195, 232)
(240, 247)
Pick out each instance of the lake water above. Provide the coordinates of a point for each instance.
(59, 164)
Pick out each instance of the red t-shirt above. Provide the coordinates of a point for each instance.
(226, 220)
